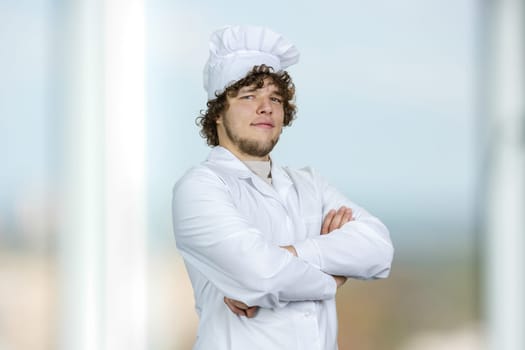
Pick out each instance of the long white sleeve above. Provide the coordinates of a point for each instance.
(360, 249)
(220, 243)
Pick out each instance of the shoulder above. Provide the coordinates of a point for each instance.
(197, 179)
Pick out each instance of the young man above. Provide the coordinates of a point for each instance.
(266, 247)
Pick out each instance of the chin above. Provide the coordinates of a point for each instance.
(257, 149)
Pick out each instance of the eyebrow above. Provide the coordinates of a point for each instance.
(247, 89)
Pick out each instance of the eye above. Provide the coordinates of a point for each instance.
(247, 97)
(277, 100)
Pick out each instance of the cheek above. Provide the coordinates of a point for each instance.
(280, 120)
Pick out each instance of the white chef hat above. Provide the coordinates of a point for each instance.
(235, 50)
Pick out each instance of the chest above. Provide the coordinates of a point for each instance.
(283, 214)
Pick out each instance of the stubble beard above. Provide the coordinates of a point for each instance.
(250, 147)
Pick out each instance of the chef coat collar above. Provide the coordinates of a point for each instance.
(228, 160)
(281, 182)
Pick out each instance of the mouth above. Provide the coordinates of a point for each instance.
(263, 125)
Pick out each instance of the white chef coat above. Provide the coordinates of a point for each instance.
(229, 224)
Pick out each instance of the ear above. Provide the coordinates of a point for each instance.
(218, 120)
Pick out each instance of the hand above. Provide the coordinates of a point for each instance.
(240, 308)
(333, 221)
(336, 219)
(340, 280)
(291, 249)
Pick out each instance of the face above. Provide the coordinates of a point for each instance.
(251, 125)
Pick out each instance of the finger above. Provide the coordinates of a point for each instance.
(252, 311)
(239, 304)
(233, 308)
(236, 310)
(336, 221)
(347, 216)
(351, 214)
(327, 221)
(340, 280)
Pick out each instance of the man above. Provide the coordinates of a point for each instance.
(266, 247)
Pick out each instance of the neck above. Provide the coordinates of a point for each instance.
(245, 157)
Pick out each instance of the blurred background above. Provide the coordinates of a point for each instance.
(414, 109)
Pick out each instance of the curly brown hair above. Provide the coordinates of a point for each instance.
(283, 81)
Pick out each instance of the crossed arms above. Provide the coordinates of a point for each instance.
(234, 256)
(335, 219)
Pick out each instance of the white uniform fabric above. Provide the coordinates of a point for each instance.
(229, 224)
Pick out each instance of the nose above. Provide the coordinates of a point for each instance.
(265, 106)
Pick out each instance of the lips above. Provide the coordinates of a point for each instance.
(265, 124)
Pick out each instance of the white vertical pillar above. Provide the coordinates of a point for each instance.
(125, 255)
(81, 245)
(505, 215)
(103, 241)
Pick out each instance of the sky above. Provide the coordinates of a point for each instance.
(385, 92)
